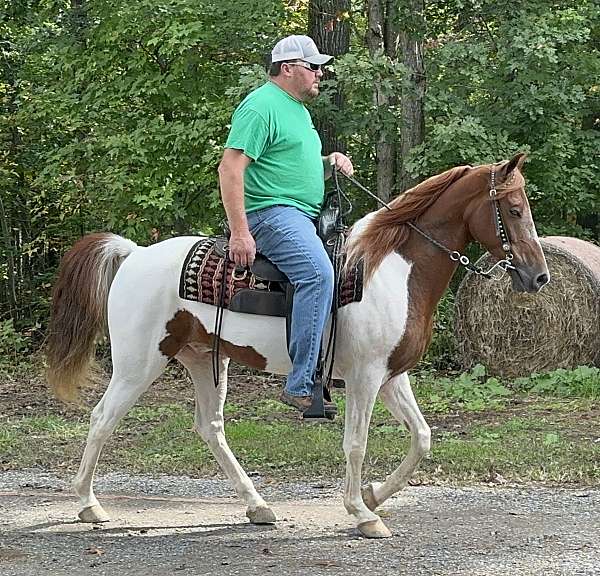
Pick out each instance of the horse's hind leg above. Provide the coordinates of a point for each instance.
(398, 396)
(132, 375)
(210, 425)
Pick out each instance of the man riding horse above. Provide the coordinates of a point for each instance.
(272, 184)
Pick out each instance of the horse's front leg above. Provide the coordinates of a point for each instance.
(398, 396)
(360, 397)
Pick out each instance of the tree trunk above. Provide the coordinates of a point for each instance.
(328, 27)
(382, 38)
(413, 93)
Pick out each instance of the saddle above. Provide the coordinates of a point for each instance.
(263, 288)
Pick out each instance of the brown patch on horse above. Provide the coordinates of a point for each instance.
(428, 279)
(184, 328)
(78, 313)
(386, 231)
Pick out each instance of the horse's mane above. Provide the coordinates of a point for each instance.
(386, 230)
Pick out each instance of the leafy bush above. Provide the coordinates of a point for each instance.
(12, 343)
(470, 391)
(441, 352)
(584, 381)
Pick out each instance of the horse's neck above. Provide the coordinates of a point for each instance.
(419, 273)
(428, 273)
(431, 267)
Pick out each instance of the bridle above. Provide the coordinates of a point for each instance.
(496, 271)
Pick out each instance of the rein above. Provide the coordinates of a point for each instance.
(327, 356)
(496, 271)
(215, 352)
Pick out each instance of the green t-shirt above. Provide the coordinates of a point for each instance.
(276, 131)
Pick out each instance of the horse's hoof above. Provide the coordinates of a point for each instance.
(94, 514)
(374, 529)
(368, 496)
(261, 515)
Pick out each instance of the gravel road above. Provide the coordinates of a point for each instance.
(181, 526)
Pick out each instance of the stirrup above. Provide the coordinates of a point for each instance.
(316, 410)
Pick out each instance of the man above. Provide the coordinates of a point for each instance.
(272, 184)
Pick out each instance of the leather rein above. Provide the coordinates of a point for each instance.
(496, 271)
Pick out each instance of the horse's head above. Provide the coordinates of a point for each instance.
(500, 219)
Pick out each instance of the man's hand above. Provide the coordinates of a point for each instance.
(341, 162)
(242, 249)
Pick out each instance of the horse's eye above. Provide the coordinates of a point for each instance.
(515, 212)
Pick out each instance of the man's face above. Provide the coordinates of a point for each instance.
(305, 80)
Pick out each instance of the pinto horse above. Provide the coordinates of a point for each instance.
(135, 289)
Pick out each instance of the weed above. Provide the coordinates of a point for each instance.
(13, 344)
(10, 440)
(52, 426)
(583, 382)
(470, 391)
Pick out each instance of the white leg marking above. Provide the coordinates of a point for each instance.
(210, 425)
(132, 375)
(398, 396)
(361, 390)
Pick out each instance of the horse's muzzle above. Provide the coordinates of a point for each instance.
(525, 279)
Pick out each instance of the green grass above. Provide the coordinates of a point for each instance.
(10, 440)
(521, 451)
(541, 429)
(518, 449)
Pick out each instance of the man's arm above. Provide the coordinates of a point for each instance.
(242, 247)
(341, 162)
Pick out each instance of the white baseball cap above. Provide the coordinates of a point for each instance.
(298, 48)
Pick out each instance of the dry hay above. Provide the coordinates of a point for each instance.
(516, 334)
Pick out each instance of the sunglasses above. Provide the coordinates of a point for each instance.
(307, 65)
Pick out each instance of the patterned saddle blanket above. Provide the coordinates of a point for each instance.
(261, 290)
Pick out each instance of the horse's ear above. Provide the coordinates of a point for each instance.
(516, 162)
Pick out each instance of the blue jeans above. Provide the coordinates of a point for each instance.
(288, 237)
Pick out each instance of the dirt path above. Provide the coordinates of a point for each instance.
(171, 525)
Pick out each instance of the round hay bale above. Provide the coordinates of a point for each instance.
(516, 334)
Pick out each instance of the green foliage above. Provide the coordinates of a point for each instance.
(471, 391)
(584, 382)
(140, 112)
(441, 352)
(113, 118)
(505, 78)
(13, 344)
(474, 391)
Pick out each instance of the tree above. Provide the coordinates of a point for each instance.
(120, 112)
(328, 25)
(518, 77)
(395, 36)
(382, 40)
(412, 125)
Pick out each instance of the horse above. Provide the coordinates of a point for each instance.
(410, 250)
